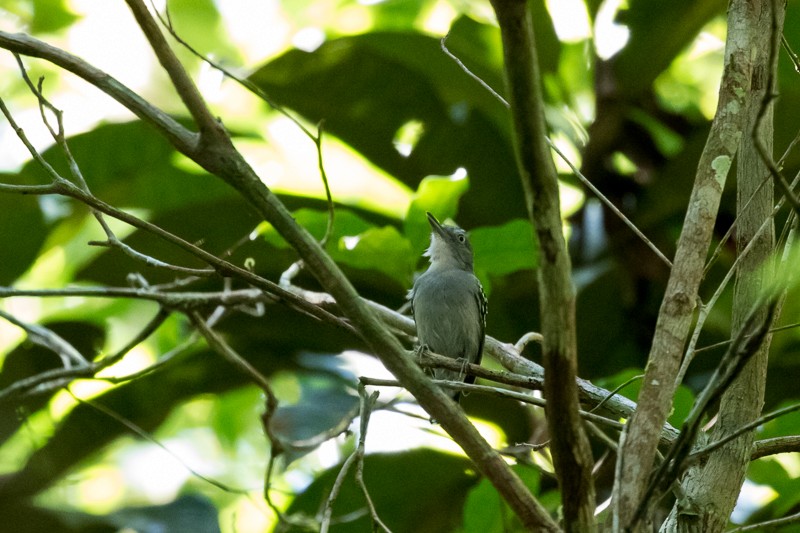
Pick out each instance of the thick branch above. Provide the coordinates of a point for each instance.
(725, 468)
(218, 156)
(180, 79)
(572, 455)
(655, 398)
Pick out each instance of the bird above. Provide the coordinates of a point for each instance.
(448, 302)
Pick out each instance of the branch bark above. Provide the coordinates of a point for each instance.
(213, 150)
(572, 456)
(725, 468)
(675, 316)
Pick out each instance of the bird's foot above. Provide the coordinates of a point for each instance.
(464, 365)
(420, 352)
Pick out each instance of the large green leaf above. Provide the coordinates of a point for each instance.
(503, 250)
(43, 16)
(355, 242)
(325, 408)
(366, 88)
(129, 165)
(436, 194)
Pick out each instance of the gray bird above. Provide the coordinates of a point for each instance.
(448, 302)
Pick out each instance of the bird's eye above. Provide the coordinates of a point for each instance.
(461, 238)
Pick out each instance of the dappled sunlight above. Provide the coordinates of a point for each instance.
(609, 36)
(98, 489)
(210, 346)
(287, 162)
(570, 19)
(691, 82)
(15, 451)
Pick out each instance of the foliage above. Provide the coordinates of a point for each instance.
(405, 130)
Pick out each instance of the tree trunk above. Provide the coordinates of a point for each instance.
(711, 490)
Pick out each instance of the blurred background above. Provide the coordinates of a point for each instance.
(630, 88)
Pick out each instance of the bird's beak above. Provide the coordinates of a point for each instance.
(435, 225)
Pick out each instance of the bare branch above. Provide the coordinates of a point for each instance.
(575, 170)
(768, 525)
(366, 404)
(186, 89)
(774, 446)
(572, 455)
(50, 340)
(702, 452)
(675, 316)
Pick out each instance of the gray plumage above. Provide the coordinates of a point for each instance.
(447, 301)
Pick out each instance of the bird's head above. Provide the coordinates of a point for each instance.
(450, 247)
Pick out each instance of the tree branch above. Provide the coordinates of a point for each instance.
(177, 135)
(215, 152)
(675, 316)
(572, 456)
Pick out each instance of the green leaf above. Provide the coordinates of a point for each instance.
(128, 166)
(19, 216)
(49, 16)
(394, 79)
(486, 512)
(502, 250)
(325, 408)
(439, 195)
(682, 404)
(355, 243)
(199, 23)
(772, 472)
(226, 418)
(381, 249)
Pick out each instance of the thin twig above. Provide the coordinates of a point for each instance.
(256, 90)
(792, 56)
(763, 153)
(50, 340)
(367, 403)
(705, 310)
(705, 450)
(748, 341)
(50, 380)
(583, 179)
(493, 391)
(529, 337)
(224, 349)
(616, 391)
(768, 525)
(774, 446)
(356, 458)
(727, 342)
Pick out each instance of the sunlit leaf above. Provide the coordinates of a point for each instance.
(436, 194)
(50, 16)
